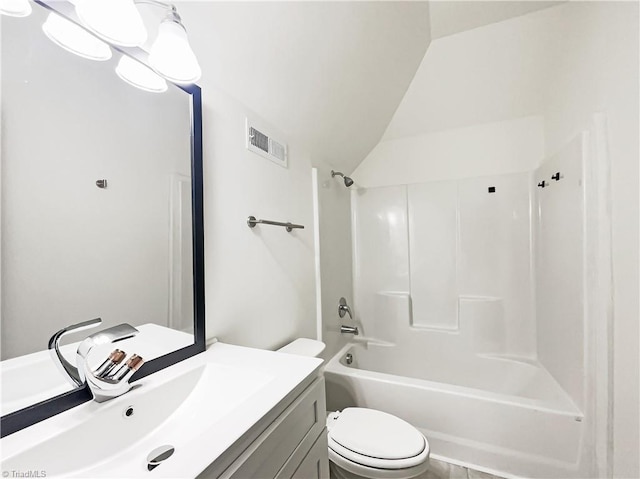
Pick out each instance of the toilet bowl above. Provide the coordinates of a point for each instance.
(366, 443)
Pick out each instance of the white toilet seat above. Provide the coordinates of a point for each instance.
(375, 444)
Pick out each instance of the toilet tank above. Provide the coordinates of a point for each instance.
(304, 347)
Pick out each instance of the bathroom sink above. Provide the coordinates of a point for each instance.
(199, 407)
(28, 379)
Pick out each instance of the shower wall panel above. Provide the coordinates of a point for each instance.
(460, 252)
(495, 252)
(381, 246)
(432, 244)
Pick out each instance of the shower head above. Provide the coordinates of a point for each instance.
(347, 181)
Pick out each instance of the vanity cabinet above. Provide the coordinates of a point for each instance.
(290, 442)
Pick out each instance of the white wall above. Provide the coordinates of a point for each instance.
(594, 68)
(496, 148)
(260, 283)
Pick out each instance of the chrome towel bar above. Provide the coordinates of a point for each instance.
(252, 222)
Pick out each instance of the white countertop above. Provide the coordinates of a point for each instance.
(238, 387)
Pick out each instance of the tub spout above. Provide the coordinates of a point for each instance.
(349, 330)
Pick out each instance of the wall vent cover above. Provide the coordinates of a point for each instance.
(262, 144)
(258, 139)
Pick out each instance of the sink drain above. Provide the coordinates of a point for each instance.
(158, 455)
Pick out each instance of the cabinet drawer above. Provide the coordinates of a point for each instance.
(295, 430)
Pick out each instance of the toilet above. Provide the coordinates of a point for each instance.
(366, 443)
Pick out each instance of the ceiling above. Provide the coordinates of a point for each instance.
(449, 17)
(328, 74)
(478, 76)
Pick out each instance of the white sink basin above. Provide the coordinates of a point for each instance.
(200, 407)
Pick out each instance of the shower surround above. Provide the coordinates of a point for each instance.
(470, 295)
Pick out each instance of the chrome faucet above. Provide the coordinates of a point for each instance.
(116, 384)
(68, 370)
(343, 308)
(104, 383)
(349, 330)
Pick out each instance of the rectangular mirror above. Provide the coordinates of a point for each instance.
(101, 213)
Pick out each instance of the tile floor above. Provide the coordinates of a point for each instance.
(444, 470)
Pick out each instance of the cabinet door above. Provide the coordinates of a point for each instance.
(292, 433)
(316, 464)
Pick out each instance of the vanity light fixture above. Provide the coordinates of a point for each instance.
(100, 24)
(119, 22)
(116, 21)
(140, 76)
(75, 39)
(171, 55)
(15, 8)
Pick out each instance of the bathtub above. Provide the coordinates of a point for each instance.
(495, 414)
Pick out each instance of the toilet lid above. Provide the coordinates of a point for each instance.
(376, 435)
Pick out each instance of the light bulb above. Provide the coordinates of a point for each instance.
(171, 54)
(116, 21)
(140, 76)
(75, 39)
(15, 8)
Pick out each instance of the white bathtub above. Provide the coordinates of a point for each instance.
(495, 414)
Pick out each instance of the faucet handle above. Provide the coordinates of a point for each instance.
(108, 365)
(126, 370)
(343, 308)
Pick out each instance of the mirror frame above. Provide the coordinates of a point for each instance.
(35, 413)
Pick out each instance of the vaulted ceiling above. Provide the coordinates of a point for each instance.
(329, 74)
(449, 17)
